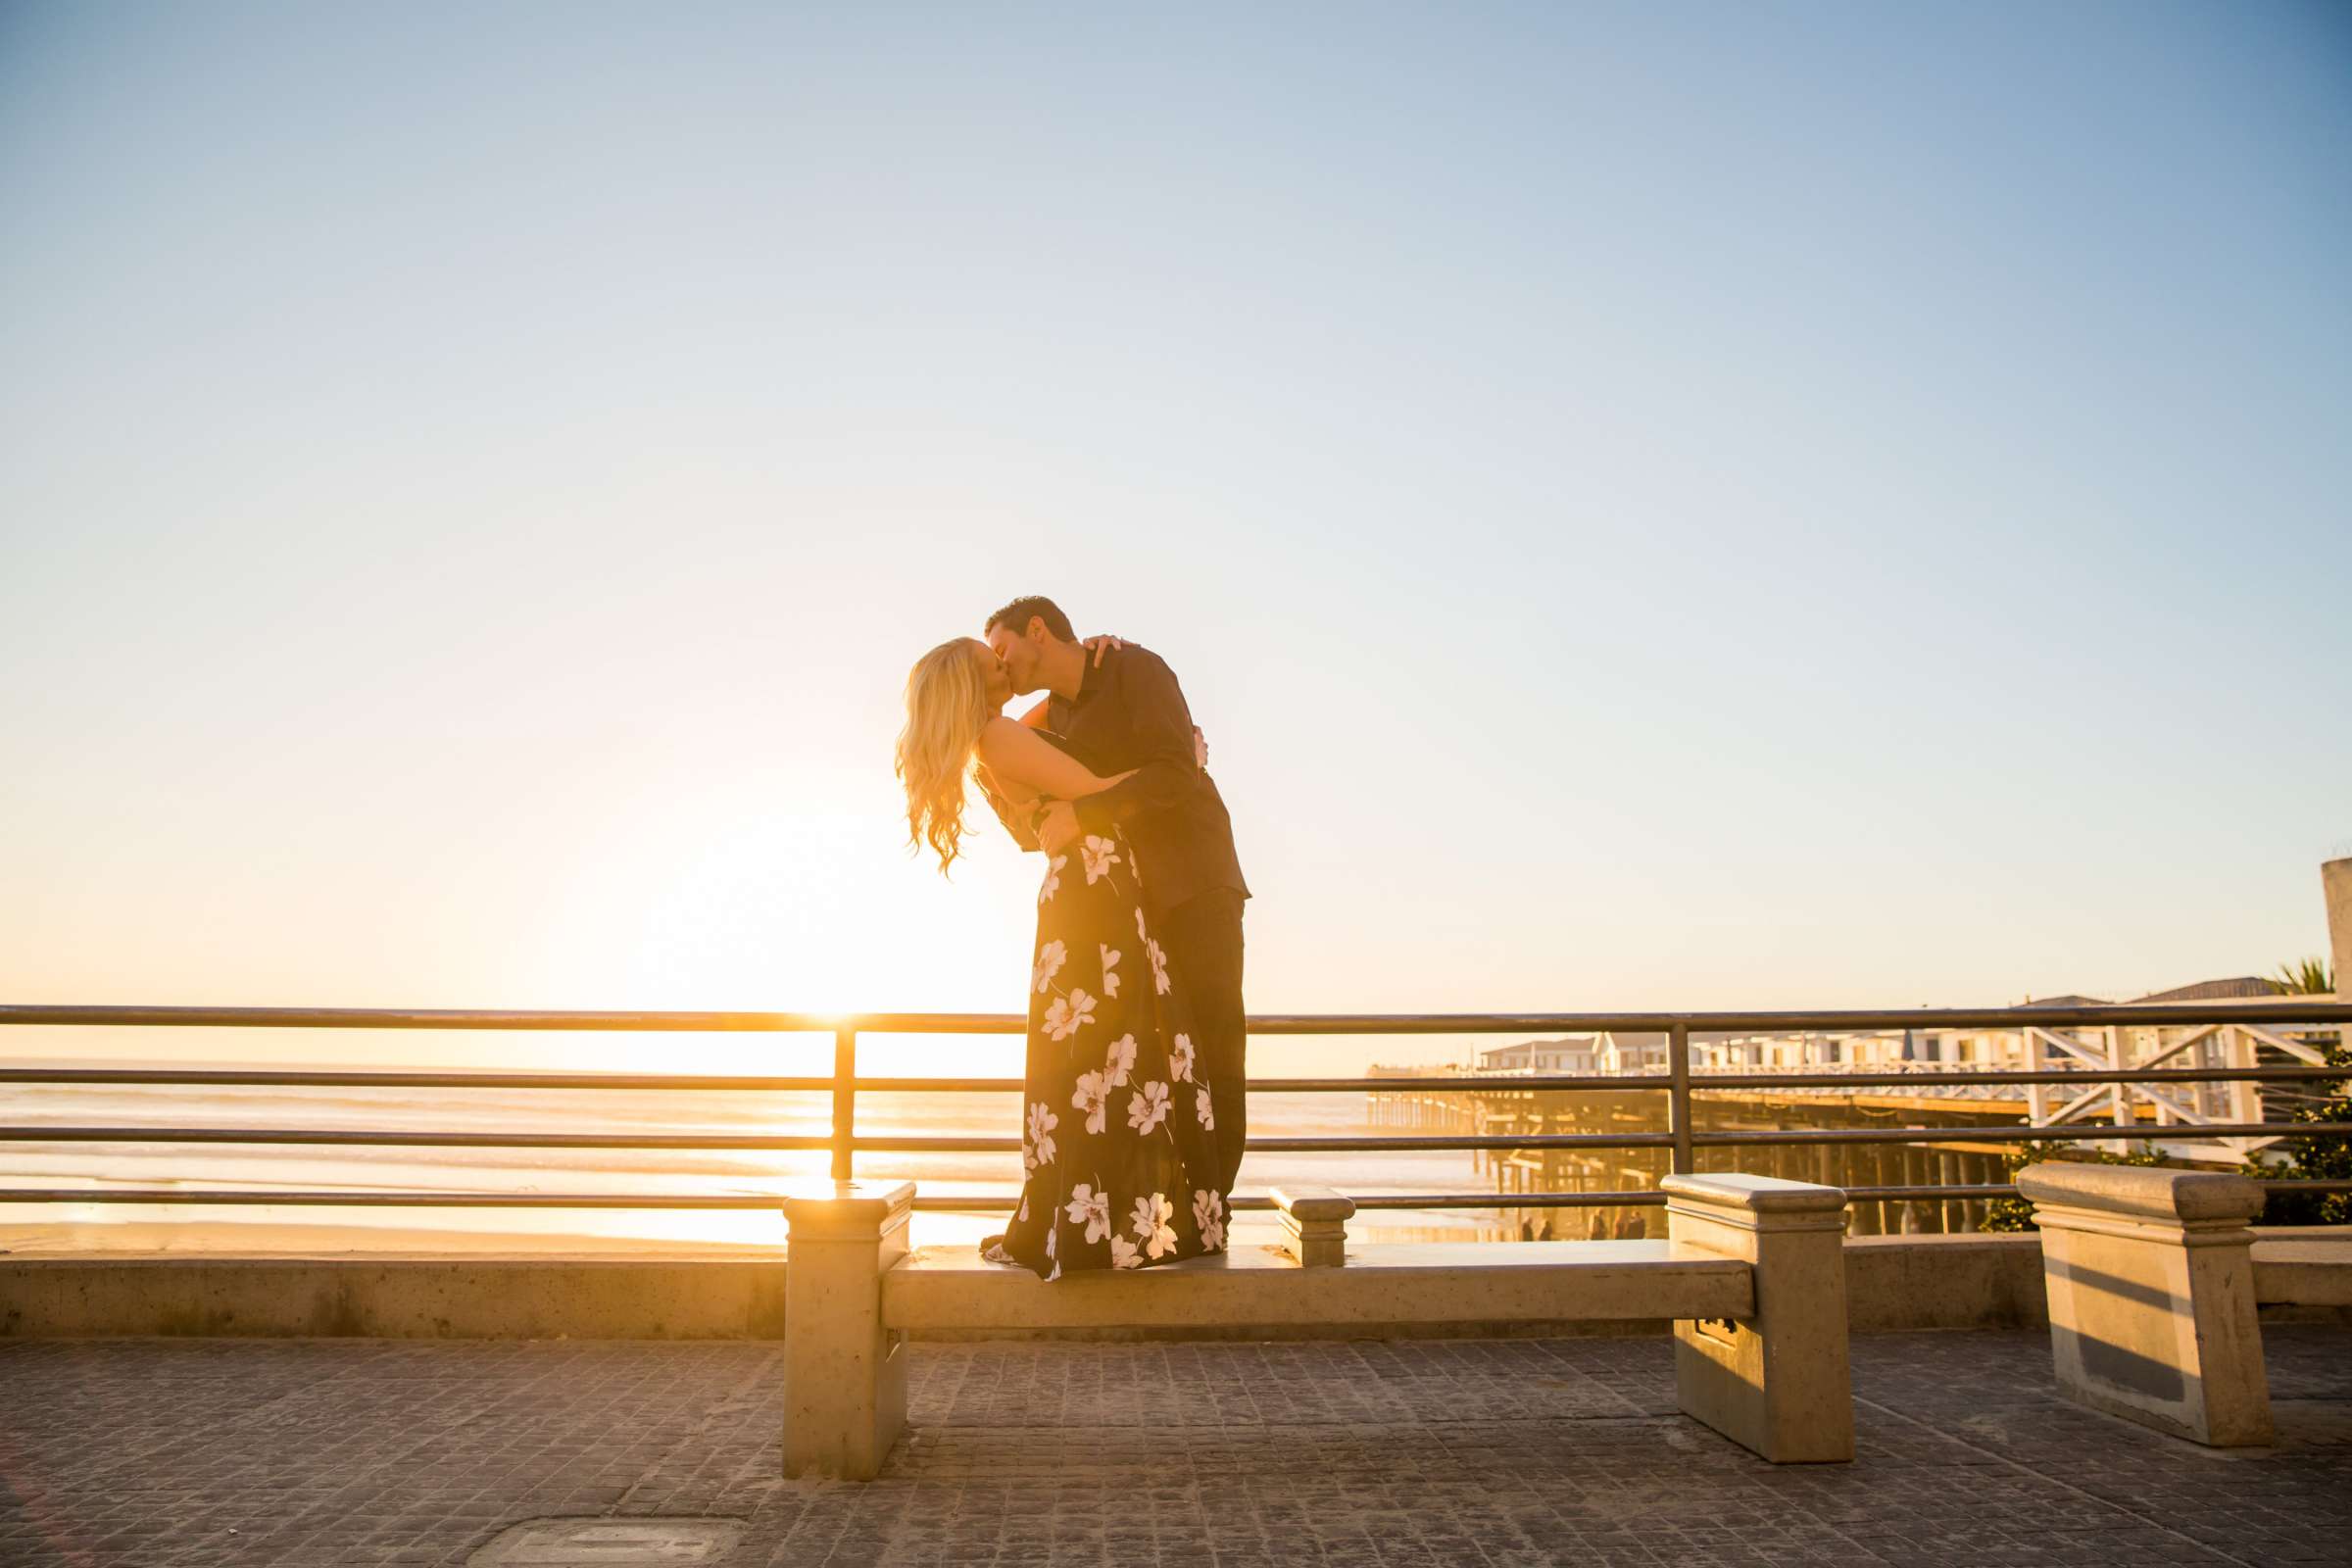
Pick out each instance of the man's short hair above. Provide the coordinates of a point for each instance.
(1016, 615)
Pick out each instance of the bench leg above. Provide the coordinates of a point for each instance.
(844, 1374)
(2150, 1277)
(1776, 1381)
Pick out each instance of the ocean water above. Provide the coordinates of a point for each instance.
(262, 1167)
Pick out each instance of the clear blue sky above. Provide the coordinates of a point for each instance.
(1696, 506)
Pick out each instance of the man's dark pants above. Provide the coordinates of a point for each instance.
(1204, 942)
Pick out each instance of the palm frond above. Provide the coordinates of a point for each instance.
(2303, 978)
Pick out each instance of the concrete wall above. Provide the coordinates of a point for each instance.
(1894, 1283)
(1943, 1282)
(397, 1299)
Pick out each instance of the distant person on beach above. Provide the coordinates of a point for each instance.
(1133, 1113)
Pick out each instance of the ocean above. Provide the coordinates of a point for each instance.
(260, 1168)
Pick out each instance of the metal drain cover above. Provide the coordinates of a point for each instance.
(609, 1542)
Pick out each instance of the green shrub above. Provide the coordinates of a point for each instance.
(2315, 1159)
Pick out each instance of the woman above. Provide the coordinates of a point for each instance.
(1121, 1169)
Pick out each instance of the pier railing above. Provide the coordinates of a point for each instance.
(2109, 1078)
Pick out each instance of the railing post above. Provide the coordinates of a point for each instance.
(845, 1099)
(1678, 1096)
(2120, 1109)
(2038, 1095)
(2245, 1096)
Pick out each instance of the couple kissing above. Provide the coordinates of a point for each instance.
(1133, 1102)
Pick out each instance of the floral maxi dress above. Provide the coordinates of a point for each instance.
(1120, 1170)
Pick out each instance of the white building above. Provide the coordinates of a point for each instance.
(1579, 1056)
(1922, 1051)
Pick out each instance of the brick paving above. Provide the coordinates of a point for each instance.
(127, 1453)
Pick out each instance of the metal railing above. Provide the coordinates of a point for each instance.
(1682, 1138)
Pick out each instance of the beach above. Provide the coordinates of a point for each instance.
(259, 1168)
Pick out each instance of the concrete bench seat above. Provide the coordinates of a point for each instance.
(2303, 1270)
(2153, 1277)
(1468, 1282)
(1752, 1276)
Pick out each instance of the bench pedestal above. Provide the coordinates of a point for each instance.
(2150, 1277)
(1314, 1224)
(1776, 1381)
(844, 1374)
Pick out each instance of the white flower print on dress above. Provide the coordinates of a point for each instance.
(1092, 1097)
(1042, 1123)
(1110, 968)
(1123, 1253)
(1089, 1208)
(1202, 1109)
(1050, 1233)
(1148, 1107)
(1099, 856)
(1052, 878)
(1149, 1223)
(1180, 1059)
(1119, 1061)
(1066, 1014)
(1209, 1218)
(1140, 935)
(1159, 966)
(1048, 963)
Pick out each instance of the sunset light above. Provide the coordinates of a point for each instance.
(1232, 786)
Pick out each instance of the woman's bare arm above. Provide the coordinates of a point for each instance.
(1023, 760)
(1012, 805)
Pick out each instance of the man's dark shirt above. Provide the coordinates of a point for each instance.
(1130, 714)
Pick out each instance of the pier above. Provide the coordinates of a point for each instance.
(1958, 1162)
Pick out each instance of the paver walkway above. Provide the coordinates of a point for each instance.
(332, 1452)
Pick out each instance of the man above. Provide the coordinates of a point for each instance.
(1118, 707)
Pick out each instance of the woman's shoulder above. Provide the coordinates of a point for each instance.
(997, 734)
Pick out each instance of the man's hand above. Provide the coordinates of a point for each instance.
(1100, 645)
(1057, 827)
(1200, 750)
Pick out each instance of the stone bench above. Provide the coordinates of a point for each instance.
(1752, 1274)
(2154, 1277)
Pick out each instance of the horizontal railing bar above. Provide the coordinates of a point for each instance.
(2072, 1131)
(979, 1203)
(881, 1145)
(2289, 1013)
(1997, 1133)
(1701, 1080)
(271, 1078)
(245, 1197)
(250, 1199)
(408, 1140)
(463, 1018)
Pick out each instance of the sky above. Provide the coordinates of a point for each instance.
(1709, 505)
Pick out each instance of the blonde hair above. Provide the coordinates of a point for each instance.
(947, 707)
